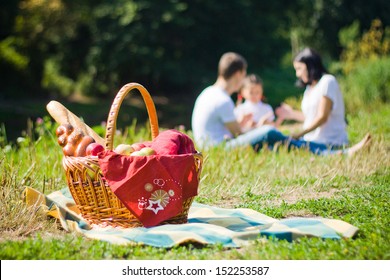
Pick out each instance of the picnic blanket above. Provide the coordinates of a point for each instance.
(206, 225)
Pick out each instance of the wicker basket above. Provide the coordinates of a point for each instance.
(93, 196)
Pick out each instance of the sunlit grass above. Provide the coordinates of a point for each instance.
(279, 184)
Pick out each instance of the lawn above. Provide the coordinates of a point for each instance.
(280, 185)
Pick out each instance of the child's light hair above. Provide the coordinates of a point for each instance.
(252, 79)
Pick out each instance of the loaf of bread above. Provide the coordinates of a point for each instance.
(64, 117)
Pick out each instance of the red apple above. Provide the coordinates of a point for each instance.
(138, 146)
(94, 149)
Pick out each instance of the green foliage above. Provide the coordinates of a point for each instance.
(348, 35)
(365, 62)
(61, 47)
(54, 81)
(373, 45)
(173, 46)
(9, 54)
(279, 84)
(317, 23)
(367, 85)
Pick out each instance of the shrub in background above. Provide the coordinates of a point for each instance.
(372, 45)
(365, 64)
(367, 85)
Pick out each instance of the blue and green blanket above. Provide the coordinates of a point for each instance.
(206, 225)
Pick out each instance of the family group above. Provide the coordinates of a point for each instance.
(217, 120)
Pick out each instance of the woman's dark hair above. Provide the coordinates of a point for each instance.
(315, 67)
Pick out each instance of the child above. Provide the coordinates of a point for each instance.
(252, 92)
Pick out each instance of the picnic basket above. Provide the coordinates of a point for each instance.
(91, 192)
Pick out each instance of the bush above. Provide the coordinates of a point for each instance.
(365, 63)
(372, 45)
(367, 85)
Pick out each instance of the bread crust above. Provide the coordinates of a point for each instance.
(65, 117)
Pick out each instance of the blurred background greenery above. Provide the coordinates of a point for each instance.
(82, 52)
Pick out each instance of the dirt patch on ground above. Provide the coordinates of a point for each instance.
(294, 196)
(44, 233)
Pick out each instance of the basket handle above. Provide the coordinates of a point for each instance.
(112, 116)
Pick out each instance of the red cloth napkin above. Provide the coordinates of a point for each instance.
(173, 142)
(151, 187)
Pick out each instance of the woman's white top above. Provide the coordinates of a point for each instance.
(333, 132)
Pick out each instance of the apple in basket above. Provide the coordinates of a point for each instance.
(138, 146)
(94, 149)
(146, 151)
(124, 149)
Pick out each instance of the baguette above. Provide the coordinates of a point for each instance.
(63, 116)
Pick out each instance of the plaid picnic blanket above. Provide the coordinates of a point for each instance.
(206, 225)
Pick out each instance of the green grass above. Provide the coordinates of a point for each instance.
(355, 190)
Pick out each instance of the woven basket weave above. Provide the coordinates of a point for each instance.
(92, 195)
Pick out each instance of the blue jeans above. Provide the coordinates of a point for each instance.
(269, 135)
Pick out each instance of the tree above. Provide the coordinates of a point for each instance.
(61, 47)
(317, 22)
